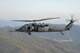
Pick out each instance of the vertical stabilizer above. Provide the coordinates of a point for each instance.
(68, 27)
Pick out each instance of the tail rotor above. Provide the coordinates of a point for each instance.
(72, 19)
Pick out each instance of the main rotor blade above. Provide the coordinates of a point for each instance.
(36, 20)
(23, 20)
(47, 19)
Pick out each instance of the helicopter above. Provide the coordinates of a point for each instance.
(42, 27)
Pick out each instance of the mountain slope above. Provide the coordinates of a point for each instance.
(13, 42)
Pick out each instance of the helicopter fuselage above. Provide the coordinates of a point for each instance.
(35, 27)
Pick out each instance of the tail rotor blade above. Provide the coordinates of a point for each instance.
(72, 19)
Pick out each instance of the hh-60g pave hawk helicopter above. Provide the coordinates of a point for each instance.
(41, 27)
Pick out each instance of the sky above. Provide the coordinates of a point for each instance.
(37, 9)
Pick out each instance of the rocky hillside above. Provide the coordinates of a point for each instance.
(13, 42)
